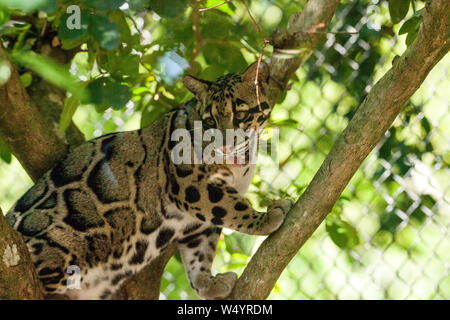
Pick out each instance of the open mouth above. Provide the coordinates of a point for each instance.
(236, 157)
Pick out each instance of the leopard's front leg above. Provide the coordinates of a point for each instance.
(214, 200)
(197, 252)
(235, 212)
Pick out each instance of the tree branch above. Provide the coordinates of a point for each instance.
(29, 125)
(22, 127)
(49, 99)
(18, 276)
(373, 117)
(293, 46)
(145, 285)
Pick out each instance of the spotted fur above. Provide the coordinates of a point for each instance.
(116, 202)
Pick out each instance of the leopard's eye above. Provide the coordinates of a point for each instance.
(209, 122)
(241, 115)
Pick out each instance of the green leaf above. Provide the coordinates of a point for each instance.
(105, 5)
(49, 70)
(152, 113)
(286, 123)
(118, 17)
(418, 13)
(121, 64)
(168, 9)
(104, 31)
(4, 16)
(282, 97)
(410, 25)
(65, 22)
(177, 256)
(117, 95)
(101, 107)
(93, 50)
(426, 125)
(95, 92)
(343, 234)
(68, 44)
(137, 5)
(140, 90)
(70, 106)
(49, 7)
(224, 8)
(27, 5)
(107, 92)
(398, 9)
(5, 153)
(235, 61)
(26, 79)
(212, 72)
(411, 37)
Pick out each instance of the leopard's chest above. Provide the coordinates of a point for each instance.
(243, 176)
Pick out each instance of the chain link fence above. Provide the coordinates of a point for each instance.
(387, 237)
(391, 239)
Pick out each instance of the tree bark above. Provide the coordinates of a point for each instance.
(293, 46)
(34, 139)
(49, 99)
(18, 276)
(29, 137)
(370, 122)
(145, 285)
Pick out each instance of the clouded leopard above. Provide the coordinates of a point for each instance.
(116, 202)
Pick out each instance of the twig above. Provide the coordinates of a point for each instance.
(135, 25)
(265, 43)
(334, 32)
(257, 74)
(217, 5)
(314, 29)
(253, 21)
(28, 19)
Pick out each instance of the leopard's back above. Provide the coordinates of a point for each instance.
(94, 210)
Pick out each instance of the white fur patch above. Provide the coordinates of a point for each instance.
(11, 257)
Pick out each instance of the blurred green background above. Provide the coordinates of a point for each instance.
(387, 237)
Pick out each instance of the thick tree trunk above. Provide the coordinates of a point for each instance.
(18, 279)
(29, 137)
(145, 284)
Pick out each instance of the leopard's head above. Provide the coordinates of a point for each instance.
(231, 101)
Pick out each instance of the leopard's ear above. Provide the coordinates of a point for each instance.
(263, 73)
(197, 86)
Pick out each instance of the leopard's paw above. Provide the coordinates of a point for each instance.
(218, 286)
(281, 205)
(276, 212)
